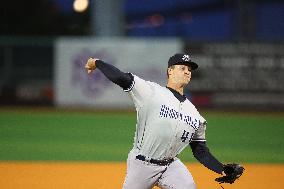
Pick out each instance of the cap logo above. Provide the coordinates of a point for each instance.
(186, 57)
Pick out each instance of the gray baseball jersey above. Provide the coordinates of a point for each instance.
(165, 126)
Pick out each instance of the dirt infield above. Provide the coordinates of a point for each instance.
(62, 175)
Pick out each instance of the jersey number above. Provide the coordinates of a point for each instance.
(185, 136)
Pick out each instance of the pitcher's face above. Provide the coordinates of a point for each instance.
(180, 74)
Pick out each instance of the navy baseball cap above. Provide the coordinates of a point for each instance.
(182, 59)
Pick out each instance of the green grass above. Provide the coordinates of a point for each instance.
(246, 137)
(98, 136)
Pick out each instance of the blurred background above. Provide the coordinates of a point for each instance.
(238, 44)
(51, 110)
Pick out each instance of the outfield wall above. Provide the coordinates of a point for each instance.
(229, 75)
(74, 87)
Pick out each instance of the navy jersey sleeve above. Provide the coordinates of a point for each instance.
(124, 80)
(203, 155)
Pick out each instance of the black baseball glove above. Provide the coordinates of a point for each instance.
(233, 171)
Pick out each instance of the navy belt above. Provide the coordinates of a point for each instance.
(155, 161)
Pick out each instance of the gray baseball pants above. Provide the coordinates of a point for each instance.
(144, 175)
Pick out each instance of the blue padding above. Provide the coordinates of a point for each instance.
(214, 26)
(209, 26)
(133, 7)
(148, 6)
(270, 21)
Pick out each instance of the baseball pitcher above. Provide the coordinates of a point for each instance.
(167, 122)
